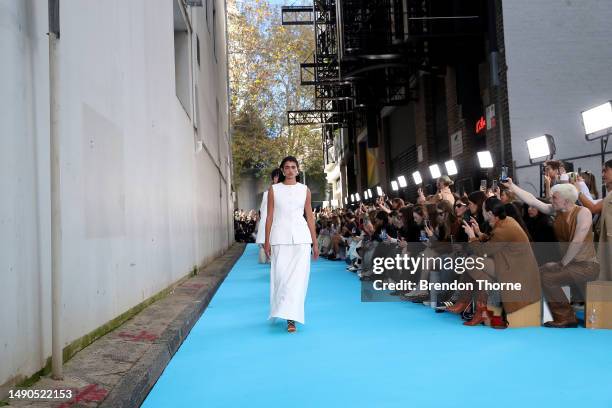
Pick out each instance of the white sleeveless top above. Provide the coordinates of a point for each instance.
(289, 225)
(261, 228)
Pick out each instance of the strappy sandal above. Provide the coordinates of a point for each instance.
(291, 326)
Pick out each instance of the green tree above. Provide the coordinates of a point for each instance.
(265, 83)
(251, 147)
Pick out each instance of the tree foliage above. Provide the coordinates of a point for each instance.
(265, 59)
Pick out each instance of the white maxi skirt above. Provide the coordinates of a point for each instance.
(289, 274)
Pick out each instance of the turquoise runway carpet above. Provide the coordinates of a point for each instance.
(354, 354)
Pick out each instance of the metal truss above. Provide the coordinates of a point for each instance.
(311, 117)
(297, 15)
(368, 52)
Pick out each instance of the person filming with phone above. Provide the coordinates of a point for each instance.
(579, 265)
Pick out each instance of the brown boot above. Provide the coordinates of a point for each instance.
(563, 316)
(482, 315)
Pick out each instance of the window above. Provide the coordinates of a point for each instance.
(182, 53)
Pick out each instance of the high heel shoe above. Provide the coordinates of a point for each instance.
(481, 315)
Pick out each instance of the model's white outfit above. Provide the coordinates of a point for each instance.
(290, 261)
(263, 211)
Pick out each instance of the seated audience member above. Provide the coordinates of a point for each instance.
(513, 211)
(409, 231)
(444, 191)
(553, 170)
(396, 204)
(586, 198)
(384, 229)
(506, 196)
(461, 212)
(476, 199)
(590, 182)
(572, 226)
(513, 261)
(539, 226)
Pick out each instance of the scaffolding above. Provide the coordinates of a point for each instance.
(369, 52)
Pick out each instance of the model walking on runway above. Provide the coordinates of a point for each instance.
(263, 210)
(288, 242)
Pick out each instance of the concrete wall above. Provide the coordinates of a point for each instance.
(250, 192)
(142, 204)
(559, 59)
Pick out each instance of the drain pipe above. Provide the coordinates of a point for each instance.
(56, 219)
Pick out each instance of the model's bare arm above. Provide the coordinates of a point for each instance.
(269, 219)
(311, 224)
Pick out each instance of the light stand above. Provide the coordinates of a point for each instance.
(541, 148)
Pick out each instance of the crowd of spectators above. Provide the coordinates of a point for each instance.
(245, 223)
(543, 243)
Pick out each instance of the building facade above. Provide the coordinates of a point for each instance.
(409, 84)
(145, 183)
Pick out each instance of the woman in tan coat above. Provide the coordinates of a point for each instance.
(513, 261)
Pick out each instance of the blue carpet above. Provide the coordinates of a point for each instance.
(354, 354)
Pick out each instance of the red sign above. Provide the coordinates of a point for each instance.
(481, 125)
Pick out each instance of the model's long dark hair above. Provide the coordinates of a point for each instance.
(289, 159)
(495, 205)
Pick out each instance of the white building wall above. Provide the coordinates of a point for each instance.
(141, 203)
(559, 59)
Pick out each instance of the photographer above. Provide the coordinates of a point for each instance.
(554, 173)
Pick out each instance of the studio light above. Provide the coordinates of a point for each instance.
(434, 169)
(416, 176)
(597, 119)
(541, 147)
(485, 159)
(402, 181)
(370, 193)
(379, 190)
(345, 200)
(451, 167)
(357, 197)
(394, 185)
